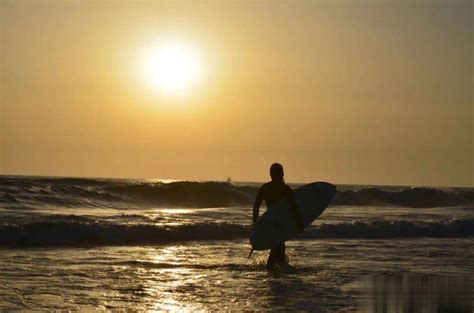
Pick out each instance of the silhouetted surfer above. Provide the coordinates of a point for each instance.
(271, 192)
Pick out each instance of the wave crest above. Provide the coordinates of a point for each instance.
(74, 233)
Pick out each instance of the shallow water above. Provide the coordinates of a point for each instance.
(328, 275)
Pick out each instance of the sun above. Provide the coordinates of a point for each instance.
(171, 67)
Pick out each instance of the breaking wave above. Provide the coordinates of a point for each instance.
(75, 233)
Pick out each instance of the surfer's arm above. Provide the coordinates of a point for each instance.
(256, 205)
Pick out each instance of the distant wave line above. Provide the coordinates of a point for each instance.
(129, 194)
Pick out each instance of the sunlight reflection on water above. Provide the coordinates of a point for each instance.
(216, 276)
(170, 281)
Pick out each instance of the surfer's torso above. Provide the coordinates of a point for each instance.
(273, 191)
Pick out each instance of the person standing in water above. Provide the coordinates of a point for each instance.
(271, 192)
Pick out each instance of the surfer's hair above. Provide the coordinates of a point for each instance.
(276, 172)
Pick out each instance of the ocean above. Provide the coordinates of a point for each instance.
(157, 245)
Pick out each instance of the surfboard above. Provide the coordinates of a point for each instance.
(277, 224)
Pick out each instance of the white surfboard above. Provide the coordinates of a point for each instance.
(278, 225)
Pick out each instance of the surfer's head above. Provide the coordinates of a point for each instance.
(276, 172)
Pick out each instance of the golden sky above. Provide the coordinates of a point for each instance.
(360, 92)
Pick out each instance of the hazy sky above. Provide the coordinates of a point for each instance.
(362, 92)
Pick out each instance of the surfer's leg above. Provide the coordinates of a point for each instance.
(281, 257)
(277, 256)
(272, 258)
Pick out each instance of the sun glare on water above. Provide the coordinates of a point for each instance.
(171, 67)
